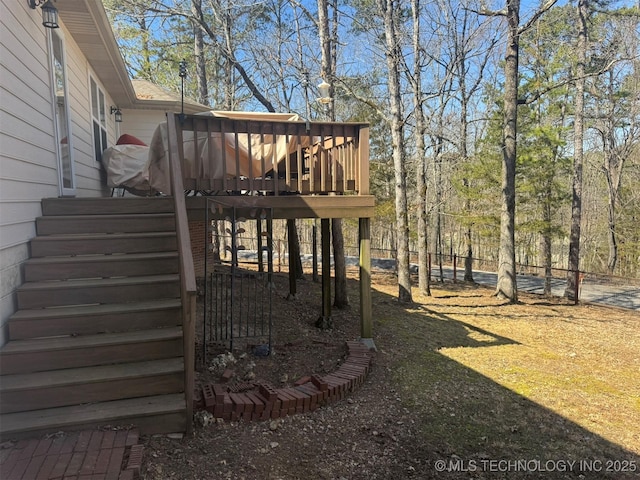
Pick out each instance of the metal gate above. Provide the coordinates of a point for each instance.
(238, 298)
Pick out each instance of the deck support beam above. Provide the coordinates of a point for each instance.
(325, 321)
(366, 323)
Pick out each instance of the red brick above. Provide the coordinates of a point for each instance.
(46, 468)
(219, 392)
(302, 381)
(364, 361)
(121, 439)
(285, 399)
(351, 379)
(303, 400)
(238, 403)
(313, 393)
(74, 464)
(248, 403)
(268, 392)
(96, 440)
(19, 468)
(319, 383)
(102, 463)
(360, 369)
(115, 462)
(11, 460)
(227, 404)
(132, 437)
(61, 465)
(198, 400)
(56, 446)
(126, 475)
(226, 375)
(29, 448)
(43, 447)
(89, 462)
(135, 458)
(69, 444)
(209, 396)
(83, 441)
(34, 467)
(258, 405)
(108, 438)
(335, 383)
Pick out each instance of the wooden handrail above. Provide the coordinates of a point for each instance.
(187, 270)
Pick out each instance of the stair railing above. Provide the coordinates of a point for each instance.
(187, 271)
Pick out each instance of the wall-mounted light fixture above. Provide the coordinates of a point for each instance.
(49, 12)
(115, 111)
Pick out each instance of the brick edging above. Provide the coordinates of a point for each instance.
(261, 401)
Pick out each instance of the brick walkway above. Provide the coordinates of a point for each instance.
(86, 455)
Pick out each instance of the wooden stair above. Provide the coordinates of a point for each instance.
(97, 338)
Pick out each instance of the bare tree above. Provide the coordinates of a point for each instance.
(424, 275)
(578, 150)
(507, 285)
(390, 10)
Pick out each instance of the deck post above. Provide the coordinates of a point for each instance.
(325, 322)
(366, 323)
(291, 232)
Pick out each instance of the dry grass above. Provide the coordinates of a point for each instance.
(539, 379)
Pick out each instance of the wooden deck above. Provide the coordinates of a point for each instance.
(291, 206)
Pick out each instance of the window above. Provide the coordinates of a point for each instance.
(99, 120)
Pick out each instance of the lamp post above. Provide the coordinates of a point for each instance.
(182, 73)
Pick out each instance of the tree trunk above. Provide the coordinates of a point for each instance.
(578, 128)
(394, 57)
(545, 246)
(420, 159)
(341, 298)
(198, 50)
(507, 287)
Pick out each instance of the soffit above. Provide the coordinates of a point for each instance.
(87, 22)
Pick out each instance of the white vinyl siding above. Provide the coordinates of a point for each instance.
(142, 123)
(28, 163)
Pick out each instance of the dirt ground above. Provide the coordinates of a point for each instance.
(451, 394)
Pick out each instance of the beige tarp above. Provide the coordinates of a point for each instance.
(263, 149)
(127, 166)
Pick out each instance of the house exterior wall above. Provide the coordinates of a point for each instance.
(141, 123)
(28, 163)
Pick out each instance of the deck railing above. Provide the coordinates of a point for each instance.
(187, 270)
(220, 154)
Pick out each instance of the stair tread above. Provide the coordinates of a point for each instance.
(73, 376)
(98, 282)
(89, 205)
(101, 257)
(88, 341)
(84, 310)
(103, 412)
(100, 236)
(108, 216)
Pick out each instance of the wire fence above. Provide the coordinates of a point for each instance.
(589, 287)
